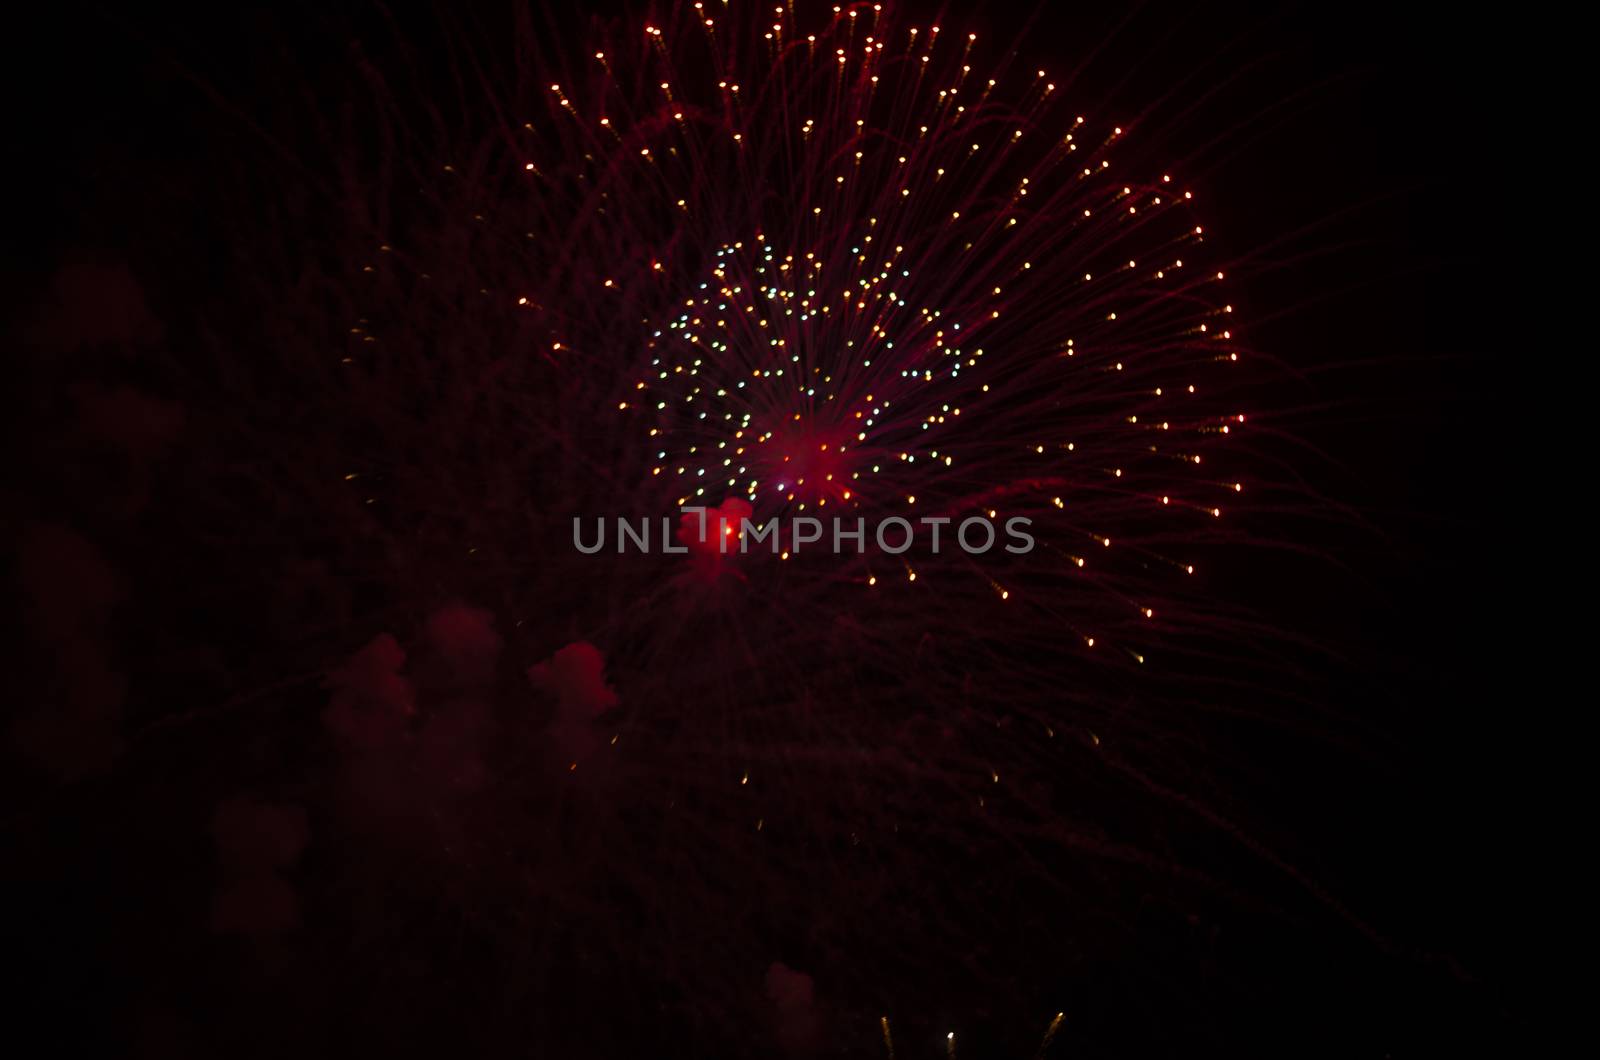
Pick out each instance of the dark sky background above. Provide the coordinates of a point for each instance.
(1374, 129)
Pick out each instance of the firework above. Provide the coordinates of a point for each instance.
(773, 262)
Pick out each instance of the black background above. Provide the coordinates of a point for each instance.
(1391, 133)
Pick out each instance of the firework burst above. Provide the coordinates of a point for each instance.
(777, 262)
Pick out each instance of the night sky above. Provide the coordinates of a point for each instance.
(1312, 842)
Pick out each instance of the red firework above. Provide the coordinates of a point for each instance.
(777, 262)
